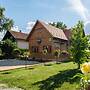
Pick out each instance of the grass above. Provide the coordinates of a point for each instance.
(50, 76)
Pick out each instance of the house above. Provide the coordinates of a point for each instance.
(18, 37)
(46, 37)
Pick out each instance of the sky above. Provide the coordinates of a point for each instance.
(26, 12)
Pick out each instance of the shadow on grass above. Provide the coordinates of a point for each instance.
(6, 72)
(49, 64)
(58, 79)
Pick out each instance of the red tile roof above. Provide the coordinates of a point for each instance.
(55, 32)
(19, 35)
(67, 33)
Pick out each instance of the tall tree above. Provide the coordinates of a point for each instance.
(59, 25)
(79, 43)
(89, 41)
(5, 23)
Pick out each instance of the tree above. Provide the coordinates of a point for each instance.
(7, 47)
(79, 44)
(89, 41)
(59, 25)
(5, 23)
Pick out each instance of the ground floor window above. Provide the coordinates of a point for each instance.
(34, 49)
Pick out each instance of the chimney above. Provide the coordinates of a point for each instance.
(20, 31)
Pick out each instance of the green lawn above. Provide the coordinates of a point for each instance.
(50, 76)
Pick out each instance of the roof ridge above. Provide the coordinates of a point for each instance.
(18, 32)
(18, 35)
(48, 24)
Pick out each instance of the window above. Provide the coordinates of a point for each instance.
(39, 40)
(34, 49)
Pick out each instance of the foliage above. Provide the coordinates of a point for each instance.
(64, 52)
(45, 51)
(7, 47)
(88, 54)
(5, 23)
(25, 55)
(85, 76)
(89, 41)
(0, 52)
(16, 52)
(79, 44)
(56, 53)
(1, 56)
(59, 25)
(22, 51)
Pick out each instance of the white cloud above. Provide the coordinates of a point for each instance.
(30, 25)
(15, 28)
(79, 7)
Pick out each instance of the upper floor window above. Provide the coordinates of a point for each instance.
(39, 40)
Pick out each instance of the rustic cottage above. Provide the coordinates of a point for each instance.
(18, 37)
(47, 42)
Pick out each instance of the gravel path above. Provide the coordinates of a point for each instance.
(14, 62)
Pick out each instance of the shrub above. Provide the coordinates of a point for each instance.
(22, 51)
(64, 52)
(25, 55)
(88, 53)
(45, 51)
(16, 53)
(57, 53)
(7, 47)
(0, 52)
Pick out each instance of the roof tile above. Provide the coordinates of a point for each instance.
(19, 35)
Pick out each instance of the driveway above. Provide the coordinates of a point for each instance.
(7, 64)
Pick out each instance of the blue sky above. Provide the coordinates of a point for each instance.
(24, 12)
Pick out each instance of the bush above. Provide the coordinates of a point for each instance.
(1, 57)
(0, 51)
(57, 53)
(16, 53)
(88, 54)
(7, 47)
(25, 55)
(22, 51)
(64, 52)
